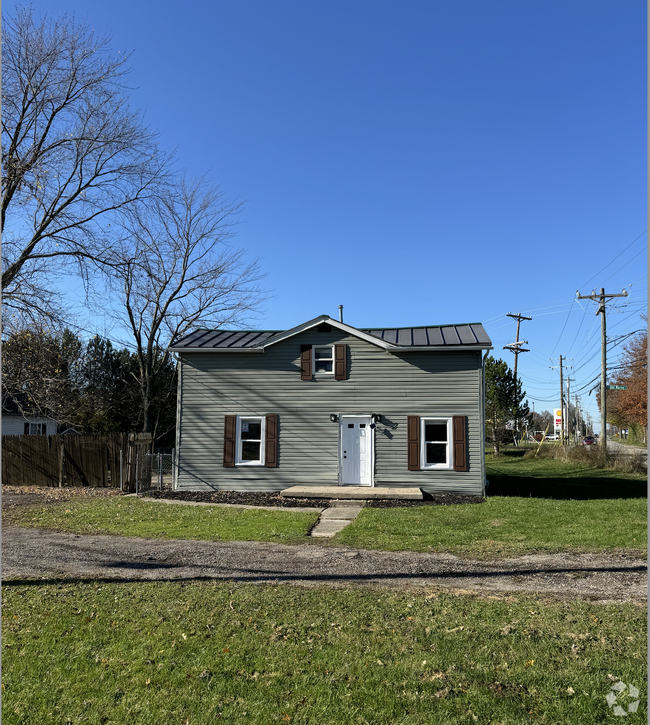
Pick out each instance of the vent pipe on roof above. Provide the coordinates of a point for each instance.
(340, 313)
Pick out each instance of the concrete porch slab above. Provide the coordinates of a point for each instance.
(352, 492)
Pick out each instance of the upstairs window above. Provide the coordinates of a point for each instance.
(323, 358)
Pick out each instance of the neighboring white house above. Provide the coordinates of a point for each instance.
(15, 423)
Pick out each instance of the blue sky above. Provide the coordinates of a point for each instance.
(418, 162)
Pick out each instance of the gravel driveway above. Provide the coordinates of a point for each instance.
(37, 554)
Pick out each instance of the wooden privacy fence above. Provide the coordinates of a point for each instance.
(71, 460)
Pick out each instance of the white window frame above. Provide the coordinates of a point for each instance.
(423, 444)
(238, 447)
(313, 360)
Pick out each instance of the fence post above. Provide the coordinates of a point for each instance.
(160, 472)
(61, 459)
(121, 472)
(137, 480)
(173, 469)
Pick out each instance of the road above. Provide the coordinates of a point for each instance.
(628, 450)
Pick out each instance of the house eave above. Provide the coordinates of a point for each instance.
(439, 348)
(181, 350)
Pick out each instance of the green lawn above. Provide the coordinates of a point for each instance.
(196, 653)
(503, 526)
(135, 517)
(535, 505)
(512, 474)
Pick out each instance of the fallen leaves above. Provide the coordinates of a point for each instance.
(433, 676)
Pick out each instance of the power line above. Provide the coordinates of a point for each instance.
(615, 258)
(563, 327)
(625, 265)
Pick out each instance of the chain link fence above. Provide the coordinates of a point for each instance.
(154, 472)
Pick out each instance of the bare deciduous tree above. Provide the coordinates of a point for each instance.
(176, 271)
(73, 152)
(37, 360)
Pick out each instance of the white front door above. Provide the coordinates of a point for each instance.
(356, 451)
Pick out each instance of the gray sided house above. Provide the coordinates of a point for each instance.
(327, 404)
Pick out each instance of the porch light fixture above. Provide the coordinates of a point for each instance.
(333, 417)
(376, 417)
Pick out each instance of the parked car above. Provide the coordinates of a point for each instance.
(553, 437)
(588, 441)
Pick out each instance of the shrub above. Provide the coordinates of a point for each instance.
(593, 457)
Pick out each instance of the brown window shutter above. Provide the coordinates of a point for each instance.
(26, 429)
(229, 441)
(460, 442)
(413, 429)
(271, 443)
(340, 362)
(305, 362)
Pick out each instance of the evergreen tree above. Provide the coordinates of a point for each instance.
(504, 402)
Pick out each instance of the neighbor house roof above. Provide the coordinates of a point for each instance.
(466, 336)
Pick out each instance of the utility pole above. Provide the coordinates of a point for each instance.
(561, 366)
(561, 405)
(602, 298)
(568, 406)
(516, 349)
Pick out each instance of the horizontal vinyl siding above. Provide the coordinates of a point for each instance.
(213, 385)
(14, 425)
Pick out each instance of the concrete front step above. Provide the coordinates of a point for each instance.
(352, 492)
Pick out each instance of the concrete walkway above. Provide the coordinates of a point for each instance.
(340, 514)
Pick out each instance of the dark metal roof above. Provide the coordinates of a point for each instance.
(213, 339)
(439, 336)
